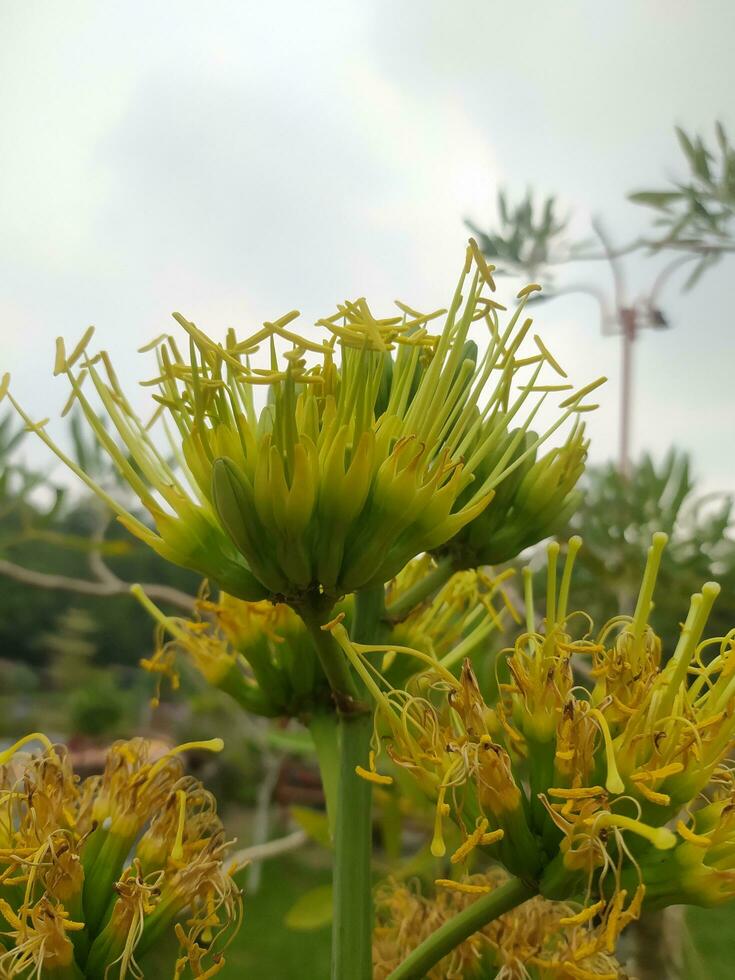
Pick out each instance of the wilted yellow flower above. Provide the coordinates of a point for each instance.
(94, 874)
(355, 464)
(257, 652)
(541, 939)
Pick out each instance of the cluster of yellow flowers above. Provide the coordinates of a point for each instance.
(544, 939)
(95, 874)
(351, 468)
(613, 794)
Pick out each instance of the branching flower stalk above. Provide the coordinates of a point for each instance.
(377, 440)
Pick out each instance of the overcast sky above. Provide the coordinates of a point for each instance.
(236, 160)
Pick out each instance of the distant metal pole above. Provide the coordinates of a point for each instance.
(628, 322)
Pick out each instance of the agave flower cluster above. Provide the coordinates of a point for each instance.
(95, 874)
(540, 939)
(262, 655)
(259, 653)
(616, 794)
(377, 441)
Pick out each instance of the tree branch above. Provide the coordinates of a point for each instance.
(111, 586)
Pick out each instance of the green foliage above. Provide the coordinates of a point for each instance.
(693, 216)
(696, 213)
(616, 520)
(527, 236)
(46, 529)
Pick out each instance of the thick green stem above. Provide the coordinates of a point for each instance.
(353, 919)
(324, 728)
(421, 590)
(462, 926)
(353, 906)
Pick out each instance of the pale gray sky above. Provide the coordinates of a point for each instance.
(236, 160)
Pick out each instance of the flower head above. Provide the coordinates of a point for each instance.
(611, 793)
(378, 440)
(94, 873)
(257, 652)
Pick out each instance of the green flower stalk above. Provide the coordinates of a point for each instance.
(93, 874)
(376, 442)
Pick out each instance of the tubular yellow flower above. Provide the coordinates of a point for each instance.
(377, 443)
(92, 873)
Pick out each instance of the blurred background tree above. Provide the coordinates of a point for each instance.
(692, 230)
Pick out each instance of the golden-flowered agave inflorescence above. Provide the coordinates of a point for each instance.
(378, 440)
(96, 874)
(541, 939)
(615, 793)
(257, 652)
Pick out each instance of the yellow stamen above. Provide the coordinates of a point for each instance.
(660, 799)
(613, 782)
(177, 851)
(8, 754)
(209, 745)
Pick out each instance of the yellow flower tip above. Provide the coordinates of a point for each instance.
(614, 784)
(331, 626)
(710, 590)
(4, 385)
(659, 540)
(532, 287)
(373, 777)
(663, 839)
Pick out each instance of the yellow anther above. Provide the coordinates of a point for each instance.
(585, 915)
(373, 777)
(699, 840)
(660, 799)
(492, 838)
(583, 793)
(462, 886)
(471, 843)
